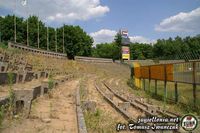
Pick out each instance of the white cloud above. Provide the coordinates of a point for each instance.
(59, 11)
(103, 36)
(106, 35)
(141, 39)
(182, 22)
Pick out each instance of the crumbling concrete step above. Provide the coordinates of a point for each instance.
(3, 100)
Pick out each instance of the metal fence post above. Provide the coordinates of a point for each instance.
(144, 84)
(149, 79)
(155, 87)
(194, 82)
(176, 92)
(165, 83)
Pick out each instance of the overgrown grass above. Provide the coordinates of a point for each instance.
(185, 104)
(2, 109)
(11, 94)
(3, 46)
(50, 82)
(83, 90)
(99, 122)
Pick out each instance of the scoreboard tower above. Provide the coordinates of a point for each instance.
(125, 50)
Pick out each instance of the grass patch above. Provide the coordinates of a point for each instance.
(2, 109)
(50, 82)
(3, 46)
(83, 91)
(99, 122)
(11, 95)
(185, 104)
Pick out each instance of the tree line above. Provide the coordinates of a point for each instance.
(162, 49)
(76, 41)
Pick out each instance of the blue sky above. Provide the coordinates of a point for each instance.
(146, 20)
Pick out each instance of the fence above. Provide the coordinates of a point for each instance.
(179, 81)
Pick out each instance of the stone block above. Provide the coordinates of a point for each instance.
(3, 66)
(4, 79)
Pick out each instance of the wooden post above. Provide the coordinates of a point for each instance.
(194, 83)
(176, 92)
(155, 87)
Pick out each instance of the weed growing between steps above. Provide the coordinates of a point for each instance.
(50, 85)
(11, 95)
(2, 111)
(83, 91)
(99, 122)
(50, 81)
(7, 110)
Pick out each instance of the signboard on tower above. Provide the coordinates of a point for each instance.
(125, 38)
(125, 53)
(125, 44)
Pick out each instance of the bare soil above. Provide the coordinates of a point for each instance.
(52, 113)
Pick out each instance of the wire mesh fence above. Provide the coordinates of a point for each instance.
(178, 82)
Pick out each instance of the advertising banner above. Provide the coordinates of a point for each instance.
(125, 53)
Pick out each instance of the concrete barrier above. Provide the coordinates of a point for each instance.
(4, 79)
(36, 51)
(79, 113)
(4, 100)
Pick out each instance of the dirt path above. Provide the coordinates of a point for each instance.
(54, 113)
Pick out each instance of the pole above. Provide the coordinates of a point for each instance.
(38, 30)
(149, 79)
(165, 86)
(47, 38)
(56, 39)
(156, 87)
(176, 92)
(27, 25)
(15, 27)
(63, 38)
(194, 83)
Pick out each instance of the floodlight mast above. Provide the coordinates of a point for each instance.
(15, 26)
(27, 23)
(125, 48)
(63, 38)
(38, 31)
(47, 38)
(56, 38)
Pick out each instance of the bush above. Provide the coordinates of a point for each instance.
(3, 46)
(50, 82)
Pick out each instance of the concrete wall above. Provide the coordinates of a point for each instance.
(4, 78)
(37, 51)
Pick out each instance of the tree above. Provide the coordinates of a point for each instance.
(118, 42)
(77, 42)
(106, 50)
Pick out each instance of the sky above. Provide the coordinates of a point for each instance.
(145, 20)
